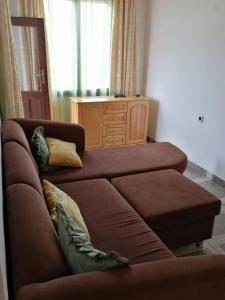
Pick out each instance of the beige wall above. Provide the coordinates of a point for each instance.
(143, 51)
(143, 30)
(140, 36)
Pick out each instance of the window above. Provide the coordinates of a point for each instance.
(79, 34)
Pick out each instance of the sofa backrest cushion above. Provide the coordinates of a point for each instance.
(54, 196)
(13, 132)
(19, 167)
(65, 131)
(41, 150)
(35, 252)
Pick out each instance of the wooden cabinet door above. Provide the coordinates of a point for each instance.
(137, 122)
(90, 116)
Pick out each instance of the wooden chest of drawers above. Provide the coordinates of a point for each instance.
(111, 121)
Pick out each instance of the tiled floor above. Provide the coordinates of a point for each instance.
(216, 245)
(205, 180)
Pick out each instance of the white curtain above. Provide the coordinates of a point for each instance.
(124, 54)
(11, 104)
(30, 8)
(79, 33)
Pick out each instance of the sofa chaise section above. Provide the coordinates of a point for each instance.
(102, 162)
(119, 161)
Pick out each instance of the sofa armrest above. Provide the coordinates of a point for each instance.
(69, 132)
(173, 279)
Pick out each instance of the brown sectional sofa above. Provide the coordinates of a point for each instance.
(36, 266)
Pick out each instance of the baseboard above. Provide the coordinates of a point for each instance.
(220, 181)
(150, 140)
(197, 168)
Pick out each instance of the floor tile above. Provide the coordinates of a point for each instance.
(194, 174)
(213, 188)
(215, 245)
(219, 225)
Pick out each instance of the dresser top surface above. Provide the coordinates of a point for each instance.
(107, 99)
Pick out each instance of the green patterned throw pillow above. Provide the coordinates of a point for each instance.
(80, 254)
(40, 149)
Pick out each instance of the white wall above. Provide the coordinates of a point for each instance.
(186, 73)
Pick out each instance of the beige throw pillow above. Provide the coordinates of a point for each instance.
(62, 154)
(54, 196)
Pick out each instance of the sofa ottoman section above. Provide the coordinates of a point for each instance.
(178, 210)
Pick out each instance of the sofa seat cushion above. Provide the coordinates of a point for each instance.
(79, 252)
(119, 161)
(113, 224)
(166, 199)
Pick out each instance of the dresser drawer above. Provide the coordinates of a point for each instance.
(111, 119)
(114, 140)
(119, 107)
(119, 129)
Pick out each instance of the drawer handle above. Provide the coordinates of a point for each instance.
(115, 107)
(115, 118)
(115, 141)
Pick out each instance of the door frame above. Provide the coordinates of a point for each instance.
(39, 24)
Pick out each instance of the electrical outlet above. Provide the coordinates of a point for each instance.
(201, 119)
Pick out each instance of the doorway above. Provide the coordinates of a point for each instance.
(29, 41)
